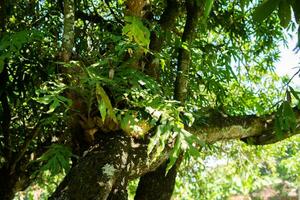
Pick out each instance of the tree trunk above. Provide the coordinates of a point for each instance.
(157, 185)
(7, 182)
(7, 185)
(104, 170)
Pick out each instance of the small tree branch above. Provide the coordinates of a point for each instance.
(5, 124)
(167, 20)
(194, 10)
(24, 148)
(112, 11)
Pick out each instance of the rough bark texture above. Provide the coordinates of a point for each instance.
(130, 160)
(255, 130)
(194, 11)
(68, 35)
(106, 167)
(167, 21)
(158, 181)
(156, 185)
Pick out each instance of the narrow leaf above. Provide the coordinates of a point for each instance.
(101, 94)
(102, 109)
(53, 105)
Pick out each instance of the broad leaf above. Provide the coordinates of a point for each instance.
(296, 9)
(284, 13)
(265, 9)
(136, 31)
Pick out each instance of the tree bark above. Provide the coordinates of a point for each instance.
(68, 35)
(194, 9)
(128, 157)
(106, 166)
(159, 184)
(105, 169)
(7, 181)
(167, 21)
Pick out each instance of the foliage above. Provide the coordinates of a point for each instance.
(56, 159)
(106, 86)
(237, 169)
(136, 31)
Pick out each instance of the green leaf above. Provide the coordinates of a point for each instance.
(296, 9)
(102, 109)
(284, 13)
(154, 141)
(53, 105)
(289, 115)
(175, 153)
(46, 100)
(285, 119)
(278, 126)
(136, 31)
(102, 96)
(207, 8)
(65, 100)
(264, 10)
(188, 119)
(64, 163)
(56, 159)
(294, 93)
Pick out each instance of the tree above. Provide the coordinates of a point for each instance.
(129, 89)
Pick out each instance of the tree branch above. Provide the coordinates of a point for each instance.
(194, 10)
(128, 158)
(19, 155)
(68, 34)
(4, 125)
(107, 2)
(167, 20)
(250, 129)
(90, 17)
(164, 185)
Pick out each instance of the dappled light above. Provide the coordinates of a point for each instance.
(149, 100)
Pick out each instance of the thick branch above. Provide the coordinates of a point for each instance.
(251, 129)
(168, 18)
(118, 157)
